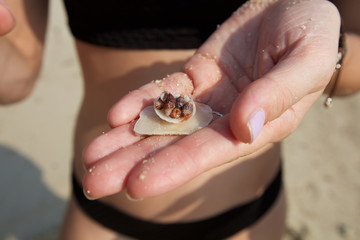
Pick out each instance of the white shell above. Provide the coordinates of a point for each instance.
(149, 122)
(162, 115)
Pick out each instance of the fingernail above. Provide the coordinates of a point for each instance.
(256, 123)
(128, 196)
(7, 5)
(87, 194)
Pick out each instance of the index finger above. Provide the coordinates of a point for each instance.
(129, 107)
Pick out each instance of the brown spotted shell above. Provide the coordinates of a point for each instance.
(153, 121)
(170, 111)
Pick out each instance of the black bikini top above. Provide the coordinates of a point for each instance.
(157, 24)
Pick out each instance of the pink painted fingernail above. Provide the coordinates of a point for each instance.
(256, 123)
(3, 2)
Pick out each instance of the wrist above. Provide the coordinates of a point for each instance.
(348, 78)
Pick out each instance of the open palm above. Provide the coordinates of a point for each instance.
(262, 69)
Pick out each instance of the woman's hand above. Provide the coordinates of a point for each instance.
(262, 69)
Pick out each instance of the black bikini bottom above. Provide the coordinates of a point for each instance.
(218, 227)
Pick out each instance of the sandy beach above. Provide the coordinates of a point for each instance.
(321, 158)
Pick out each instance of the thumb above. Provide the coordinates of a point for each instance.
(7, 18)
(286, 84)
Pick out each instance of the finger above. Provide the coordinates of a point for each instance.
(107, 143)
(159, 164)
(7, 18)
(211, 85)
(108, 176)
(281, 127)
(187, 158)
(129, 107)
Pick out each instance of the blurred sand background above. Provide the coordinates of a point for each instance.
(321, 159)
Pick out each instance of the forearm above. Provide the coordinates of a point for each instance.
(349, 77)
(17, 74)
(22, 49)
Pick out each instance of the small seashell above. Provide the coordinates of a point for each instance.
(187, 110)
(180, 101)
(159, 104)
(176, 113)
(186, 117)
(172, 104)
(169, 104)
